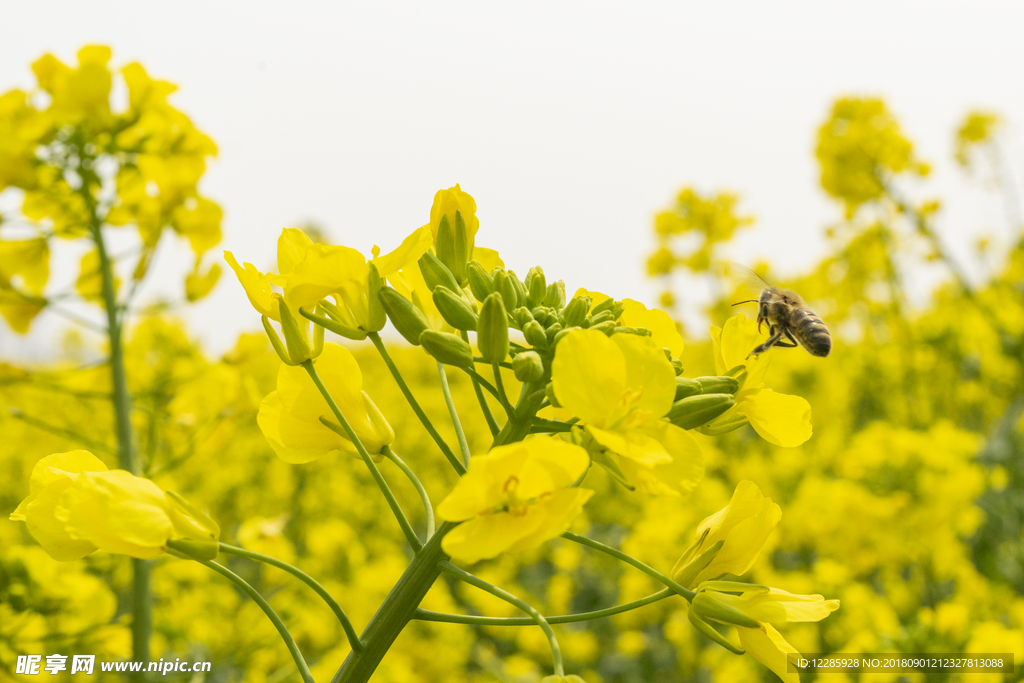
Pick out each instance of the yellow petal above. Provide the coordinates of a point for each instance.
(294, 440)
(291, 249)
(487, 536)
(589, 375)
(679, 476)
(632, 444)
(59, 465)
(780, 419)
(322, 270)
(29, 259)
(555, 514)
(118, 512)
(50, 532)
(664, 330)
(407, 253)
(257, 286)
(739, 337)
(649, 370)
(767, 646)
(447, 202)
(200, 224)
(778, 606)
(488, 258)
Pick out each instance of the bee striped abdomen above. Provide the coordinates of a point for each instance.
(811, 332)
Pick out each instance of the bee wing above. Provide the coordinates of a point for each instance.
(744, 281)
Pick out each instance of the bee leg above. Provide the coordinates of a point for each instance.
(772, 341)
(791, 344)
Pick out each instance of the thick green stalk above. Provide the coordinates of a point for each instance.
(403, 521)
(396, 611)
(271, 614)
(462, 575)
(454, 413)
(353, 639)
(459, 467)
(122, 400)
(442, 617)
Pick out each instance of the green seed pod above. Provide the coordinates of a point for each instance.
(575, 313)
(492, 329)
(404, 315)
(377, 317)
(454, 309)
(555, 296)
(522, 316)
(436, 273)
(447, 348)
(534, 333)
(536, 286)
(528, 366)
(480, 282)
(693, 411)
(718, 385)
(686, 387)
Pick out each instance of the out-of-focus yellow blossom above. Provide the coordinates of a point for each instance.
(514, 498)
(77, 505)
(743, 526)
(89, 284)
(664, 330)
(571, 678)
(769, 606)
(859, 147)
(290, 416)
(780, 419)
(199, 284)
(24, 270)
(977, 128)
(620, 387)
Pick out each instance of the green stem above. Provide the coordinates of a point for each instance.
(484, 361)
(403, 522)
(459, 467)
(619, 555)
(271, 614)
(456, 423)
(556, 653)
(427, 615)
(396, 611)
(500, 386)
(427, 507)
(518, 425)
(122, 400)
(353, 638)
(492, 390)
(492, 424)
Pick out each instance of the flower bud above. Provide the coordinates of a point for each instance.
(552, 332)
(555, 297)
(454, 309)
(480, 283)
(608, 327)
(549, 392)
(447, 348)
(603, 316)
(404, 315)
(576, 311)
(522, 316)
(718, 385)
(686, 387)
(521, 292)
(436, 273)
(694, 411)
(528, 366)
(707, 606)
(536, 286)
(561, 333)
(377, 318)
(534, 333)
(492, 329)
(601, 307)
(509, 291)
(677, 365)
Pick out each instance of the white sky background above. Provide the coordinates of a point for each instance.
(571, 123)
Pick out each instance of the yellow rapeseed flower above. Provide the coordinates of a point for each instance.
(514, 498)
(663, 328)
(290, 416)
(743, 526)
(780, 419)
(76, 505)
(446, 203)
(620, 387)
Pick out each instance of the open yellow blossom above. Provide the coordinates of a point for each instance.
(24, 270)
(446, 203)
(514, 498)
(290, 416)
(780, 419)
(76, 505)
(766, 606)
(743, 526)
(620, 387)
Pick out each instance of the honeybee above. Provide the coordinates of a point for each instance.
(789, 320)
